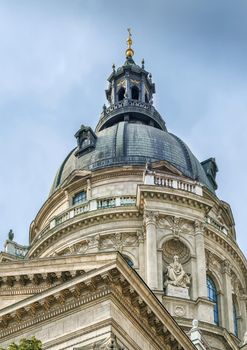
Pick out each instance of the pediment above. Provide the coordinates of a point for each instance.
(5, 257)
(75, 176)
(166, 167)
(115, 282)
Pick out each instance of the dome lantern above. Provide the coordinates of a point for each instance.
(130, 95)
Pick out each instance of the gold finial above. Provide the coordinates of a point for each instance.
(129, 52)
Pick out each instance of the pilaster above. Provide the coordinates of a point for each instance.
(228, 305)
(151, 249)
(141, 238)
(201, 260)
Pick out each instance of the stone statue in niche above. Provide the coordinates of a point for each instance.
(177, 281)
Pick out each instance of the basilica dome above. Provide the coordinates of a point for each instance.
(131, 132)
(133, 143)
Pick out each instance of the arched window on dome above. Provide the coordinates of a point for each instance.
(235, 316)
(79, 197)
(213, 296)
(121, 94)
(128, 260)
(146, 98)
(135, 93)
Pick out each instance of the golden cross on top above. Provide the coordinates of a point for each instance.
(129, 52)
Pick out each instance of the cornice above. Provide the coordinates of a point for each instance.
(112, 281)
(166, 194)
(228, 245)
(79, 222)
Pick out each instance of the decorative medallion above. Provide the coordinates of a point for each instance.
(175, 247)
(179, 310)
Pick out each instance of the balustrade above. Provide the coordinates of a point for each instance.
(162, 180)
(106, 203)
(92, 205)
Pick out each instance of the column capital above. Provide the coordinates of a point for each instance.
(226, 267)
(150, 217)
(199, 226)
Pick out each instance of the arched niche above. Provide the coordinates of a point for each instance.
(171, 246)
(121, 94)
(172, 249)
(134, 93)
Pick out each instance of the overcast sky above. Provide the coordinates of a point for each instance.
(55, 57)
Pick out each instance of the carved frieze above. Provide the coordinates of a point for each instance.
(175, 225)
(77, 248)
(226, 267)
(114, 241)
(237, 288)
(119, 240)
(213, 262)
(109, 343)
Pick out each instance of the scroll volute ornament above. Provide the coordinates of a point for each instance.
(150, 217)
(199, 226)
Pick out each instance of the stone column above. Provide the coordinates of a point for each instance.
(194, 292)
(141, 238)
(243, 316)
(151, 250)
(201, 261)
(127, 89)
(227, 287)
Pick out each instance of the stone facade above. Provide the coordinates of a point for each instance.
(128, 265)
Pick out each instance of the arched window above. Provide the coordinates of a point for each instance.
(135, 93)
(79, 197)
(128, 260)
(121, 94)
(146, 98)
(212, 295)
(235, 317)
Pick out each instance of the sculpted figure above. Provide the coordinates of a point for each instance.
(245, 338)
(176, 274)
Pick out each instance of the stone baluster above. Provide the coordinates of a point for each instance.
(151, 250)
(227, 287)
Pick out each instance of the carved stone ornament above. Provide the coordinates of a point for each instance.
(141, 236)
(199, 226)
(245, 338)
(176, 275)
(179, 310)
(118, 240)
(226, 267)
(77, 248)
(150, 217)
(173, 247)
(109, 343)
(175, 225)
(93, 242)
(236, 285)
(213, 263)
